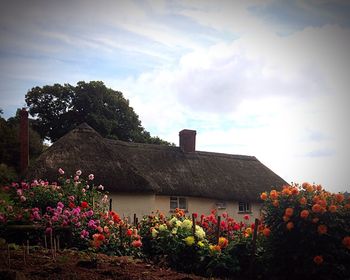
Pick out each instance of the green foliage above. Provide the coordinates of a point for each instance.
(60, 108)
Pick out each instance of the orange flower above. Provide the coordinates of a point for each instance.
(289, 212)
(214, 248)
(273, 194)
(263, 196)
(286, 191)
(295, 191)
(332, 208)
(285, 218)
(275, 203)
(304, 214)
(318, 260)
(316, 208)
(322, 229)
(310, 189)
(303, 201)
(305, 185)
(223, 242)
(315, 220)
(266, 232)
(290, 225)
(339, 197)
(346, 242)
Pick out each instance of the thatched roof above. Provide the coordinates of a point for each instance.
(132, 167)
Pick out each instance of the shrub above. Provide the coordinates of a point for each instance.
(309, 228)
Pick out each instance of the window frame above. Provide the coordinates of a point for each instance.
(244, 207)
(172, 199)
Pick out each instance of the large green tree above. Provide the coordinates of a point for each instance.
(60, 108)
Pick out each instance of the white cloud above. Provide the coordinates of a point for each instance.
(264, 96)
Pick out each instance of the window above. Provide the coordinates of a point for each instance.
(178, 202)
(244, 207)
(221, 205)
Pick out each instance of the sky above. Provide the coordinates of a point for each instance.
(264, 78)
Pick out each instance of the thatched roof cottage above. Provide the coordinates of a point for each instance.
(143, 177)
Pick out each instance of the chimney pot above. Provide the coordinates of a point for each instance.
(188, 140)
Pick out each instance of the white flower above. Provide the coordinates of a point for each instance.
(187, 224)
(78, 172)
(200, 233)
(91, 177)
(61, 171)
(178, 223)
(100, 187)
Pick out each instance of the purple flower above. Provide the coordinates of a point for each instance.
(91, 224)
(60, 204)
(84, 234)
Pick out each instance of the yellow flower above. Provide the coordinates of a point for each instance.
(154, 232)
(200, 244)
(189, 240)
(163, 227)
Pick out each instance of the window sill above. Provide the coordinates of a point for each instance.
(244, 212)
(173, 211)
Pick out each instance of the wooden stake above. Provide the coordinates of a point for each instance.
(27, 246)
(45, 240)
(194, 226)
(8, 256)
(218, 230)
(252, 259)
(24, 255)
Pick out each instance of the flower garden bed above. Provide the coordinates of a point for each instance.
(304, 232)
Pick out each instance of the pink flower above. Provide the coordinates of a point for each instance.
(48, 230)
(23, 198)
(136, 243)
(100, 187)
(61, 171)
(91, 177)
(78, 172)
(76, 178)
(246, 217)
(19, 192)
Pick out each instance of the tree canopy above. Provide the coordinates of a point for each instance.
(60, 108)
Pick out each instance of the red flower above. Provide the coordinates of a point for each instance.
(129, 232)
(84, 204)
(71, 205)
(246, 217)
(195, 215)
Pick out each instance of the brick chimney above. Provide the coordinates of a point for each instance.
(24, 140)
(188, 140)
